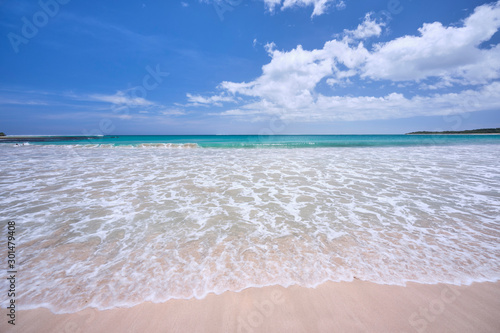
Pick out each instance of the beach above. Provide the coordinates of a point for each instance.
(250, 166)
(175, 236)
(331, 307)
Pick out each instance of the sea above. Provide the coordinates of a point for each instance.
(115, 221)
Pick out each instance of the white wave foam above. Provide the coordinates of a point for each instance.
(115, 146)
(117, 227)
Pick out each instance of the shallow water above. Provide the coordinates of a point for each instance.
(117, 227)
(257, 141)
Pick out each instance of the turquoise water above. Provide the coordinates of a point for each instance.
(258, 141)
(123, 225)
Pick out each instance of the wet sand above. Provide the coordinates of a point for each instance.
(331, 307)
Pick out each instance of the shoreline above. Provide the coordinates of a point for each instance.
(452, 134)
(356, 306)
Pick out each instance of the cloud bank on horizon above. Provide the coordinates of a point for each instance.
(437, 57)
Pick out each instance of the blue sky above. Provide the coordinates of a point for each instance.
(248, 67)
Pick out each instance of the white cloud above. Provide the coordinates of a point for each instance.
(172, 112)
(320, 6)
(396, 105)
(440, 57)
(197, 100)
(293, 73)
(439, 51)
(391, 106)
(86, 115)
(340, 4)
(368, 28)
(291, 77)
(69, 105)
(7, 101)
(125, 102)
(121, 98)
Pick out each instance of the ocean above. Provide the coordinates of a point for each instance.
(254, 141)
(110, 222)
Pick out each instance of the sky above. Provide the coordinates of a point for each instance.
(248, 66)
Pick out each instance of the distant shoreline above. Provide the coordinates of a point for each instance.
(476, 131)
(46, 137)
(439, 133)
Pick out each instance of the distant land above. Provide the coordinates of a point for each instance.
(476, 131)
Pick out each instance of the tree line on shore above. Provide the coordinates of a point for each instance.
(476, 131)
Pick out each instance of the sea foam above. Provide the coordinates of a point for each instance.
(110, 228)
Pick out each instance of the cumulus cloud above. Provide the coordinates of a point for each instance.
(437, 57)
(441, 51)
(291, 77)
(369, 28)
